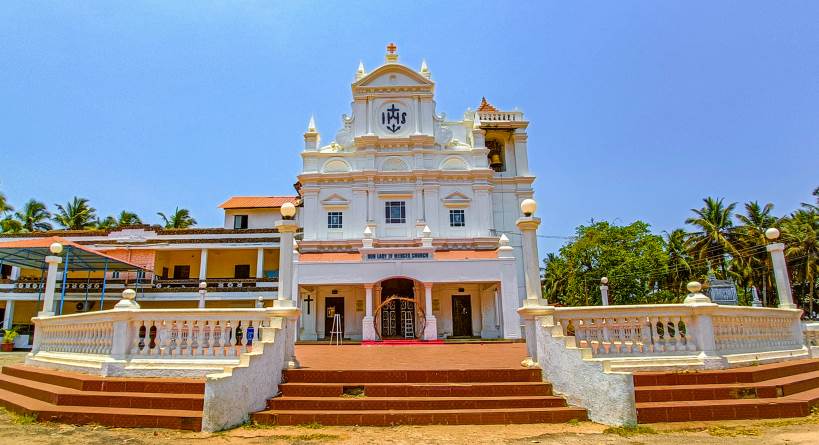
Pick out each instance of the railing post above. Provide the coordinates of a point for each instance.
(780, 269)
(702, 328)
(122, 339)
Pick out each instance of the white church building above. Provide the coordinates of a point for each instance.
(409, 217)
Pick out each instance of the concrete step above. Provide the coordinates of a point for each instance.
(700, 410)
(410, 403)
(108, 416)
(412, 376)
(60, 395)
(85, 382)
(779, 387)
(421, 417)
(749, 374)
(480, 389)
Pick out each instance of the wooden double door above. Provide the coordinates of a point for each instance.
(461, 316)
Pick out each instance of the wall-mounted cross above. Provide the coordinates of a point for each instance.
(308, 300)
(391, 48)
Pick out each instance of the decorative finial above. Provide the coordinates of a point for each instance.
(425, 69)
(772, 233)
(311, 126)
(360, 72)
(503, 240)
(392, 56)
(427, 232)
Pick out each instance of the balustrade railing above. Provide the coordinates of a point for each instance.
(159, 333)
(679, 329)
(500, 116)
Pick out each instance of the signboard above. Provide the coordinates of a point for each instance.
(723, 292)
(397, 256)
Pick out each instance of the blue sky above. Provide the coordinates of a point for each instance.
(638, 110)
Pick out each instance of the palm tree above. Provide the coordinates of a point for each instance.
(179, 219)
(10, 225)
(800, 232)
(750, 239)
(109, 222)
(5, 207)
(714, 239)
(33, 217)
(679, 267)
(127, 218)
(76, 215)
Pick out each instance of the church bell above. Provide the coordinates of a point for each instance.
(495, 160)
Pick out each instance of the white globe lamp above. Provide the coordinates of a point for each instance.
(772, 233)
(528, 207)
(288, 210)
(56, 248)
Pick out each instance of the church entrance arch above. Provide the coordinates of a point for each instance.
(398, 314)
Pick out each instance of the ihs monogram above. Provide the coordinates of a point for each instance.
(392, 118)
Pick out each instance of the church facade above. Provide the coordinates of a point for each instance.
(409, 217)
(407, 230)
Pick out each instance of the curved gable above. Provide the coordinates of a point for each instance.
(404, 76)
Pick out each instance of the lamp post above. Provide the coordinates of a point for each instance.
(604, 290)
(203, 292)
(780, 269)
(284, 306)
(53, 261)
(534, 305)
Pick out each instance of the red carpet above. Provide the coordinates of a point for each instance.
(401, 342)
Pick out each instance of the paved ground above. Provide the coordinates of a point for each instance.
(444, 356)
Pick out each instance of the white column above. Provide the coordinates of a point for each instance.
(15, 273)
(521, 155)
(51, 284)
(8, 317)
(431, 323)
(780, 269)
(367, 328)
(203, 265)
(604, 294)
(260, 262)
(528, 228)
(287, 228)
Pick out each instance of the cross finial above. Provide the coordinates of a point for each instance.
(391, 48)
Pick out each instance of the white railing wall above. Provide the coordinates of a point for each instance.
(195, 341)
(679, 329)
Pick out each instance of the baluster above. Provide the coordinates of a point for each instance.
(656, 343)
(192, 333)
(207, 347)
(200, 337)
(176, 338)
(217, 332)
(183, 334)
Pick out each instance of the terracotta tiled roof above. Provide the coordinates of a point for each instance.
(486, 106)
(257, 202)
(85, 254)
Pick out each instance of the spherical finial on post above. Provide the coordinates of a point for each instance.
(56, 248)
(694, 287)
(288, 210)
(129, 294)
(604, 281)
(203, 285)
(528, 206)
(772, 233)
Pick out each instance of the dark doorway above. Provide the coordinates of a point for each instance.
(181, 272)
(398, 316)
(333, 306)
(461, 316)
(241, 271)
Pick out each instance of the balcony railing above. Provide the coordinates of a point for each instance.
(95, 285)
(500, 116)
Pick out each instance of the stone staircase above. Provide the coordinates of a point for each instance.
(416, 397)
(75, 398)
(785, 389)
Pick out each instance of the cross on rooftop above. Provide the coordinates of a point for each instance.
(391, 48)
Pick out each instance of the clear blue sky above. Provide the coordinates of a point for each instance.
(638, 110)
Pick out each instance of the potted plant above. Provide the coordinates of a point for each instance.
(8, 340)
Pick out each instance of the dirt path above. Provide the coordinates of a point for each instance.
(21, 430)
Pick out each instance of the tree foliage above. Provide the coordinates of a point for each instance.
(76, 215)
(179, 219)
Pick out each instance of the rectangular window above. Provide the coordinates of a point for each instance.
(457, 218)
(115, 274)
(241, 271)
(334, 220)
(240, 221)
(396, 212)
(140, 275)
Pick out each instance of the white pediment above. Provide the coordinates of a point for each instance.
(391, 75)
(335, 201)
(456, 199)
